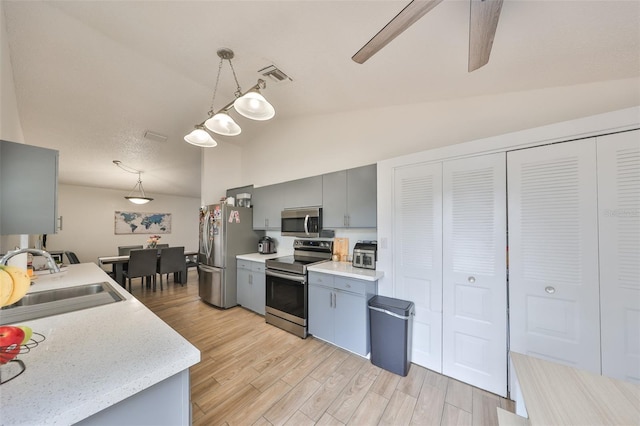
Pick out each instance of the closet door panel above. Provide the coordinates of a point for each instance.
(474, 271)
(417, 254)
(553, 253)
(619, 230)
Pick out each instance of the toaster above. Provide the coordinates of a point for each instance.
(365, 254)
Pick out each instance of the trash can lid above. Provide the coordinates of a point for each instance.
(397, 306)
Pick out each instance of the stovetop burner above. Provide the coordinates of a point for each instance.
(305, 253)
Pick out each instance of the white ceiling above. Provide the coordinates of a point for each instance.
(92, 76)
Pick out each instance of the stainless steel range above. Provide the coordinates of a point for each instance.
(286, 277)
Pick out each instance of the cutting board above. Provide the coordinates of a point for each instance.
(341, 247)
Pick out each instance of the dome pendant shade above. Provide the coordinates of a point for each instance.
(139, 200)
(200, 137)
(254, 106)
(223, 124)
(140, 197)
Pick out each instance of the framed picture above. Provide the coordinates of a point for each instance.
(142, 223)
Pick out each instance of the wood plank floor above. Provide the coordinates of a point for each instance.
(252, 373)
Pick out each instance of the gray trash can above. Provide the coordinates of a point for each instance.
(390, 328)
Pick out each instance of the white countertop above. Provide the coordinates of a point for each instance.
(257, 257)
(93, 358)
(346, 269)
(559, 394)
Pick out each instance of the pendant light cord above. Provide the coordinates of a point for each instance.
(238, 92)
(127, 168)
(215, 88)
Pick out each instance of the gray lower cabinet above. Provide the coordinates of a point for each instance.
(338, 311)
(349, 198)
(165, 403)
(28, 189)
(251, 285)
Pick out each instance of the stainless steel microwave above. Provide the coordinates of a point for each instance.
(302, 222)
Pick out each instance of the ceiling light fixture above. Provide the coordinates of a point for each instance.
(141, 198)
(250, 104)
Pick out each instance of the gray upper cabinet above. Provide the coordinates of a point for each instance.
(267, 204)
(305, 192)
(349, 198)
(28, 189)
(269, 201)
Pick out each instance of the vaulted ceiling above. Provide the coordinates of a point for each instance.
(91, 77)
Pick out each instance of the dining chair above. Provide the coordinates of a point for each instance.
(142, 264)
(172, 260)
(124, 251)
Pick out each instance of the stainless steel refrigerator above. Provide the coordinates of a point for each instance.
(225, 231)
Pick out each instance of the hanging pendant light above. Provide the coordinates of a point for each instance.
(138, 197)
(200, 137)
(222, 124)
(141, 198)
(254, 106)
(250, 104)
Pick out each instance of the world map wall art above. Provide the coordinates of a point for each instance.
(142, 223)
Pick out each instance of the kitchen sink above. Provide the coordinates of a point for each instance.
(59, 301)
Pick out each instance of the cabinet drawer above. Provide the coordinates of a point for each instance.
(244, 264)
(353, 286)
(321, 279)
(257, 267)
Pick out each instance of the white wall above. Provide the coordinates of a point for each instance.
(349, 139)
(343, 140)
(223, 171)
(88, 221)
(10, 126)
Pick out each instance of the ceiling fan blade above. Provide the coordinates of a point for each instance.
(483, 22)
(403, 20)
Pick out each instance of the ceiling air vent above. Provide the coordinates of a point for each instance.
(154, 136)
(275, 74)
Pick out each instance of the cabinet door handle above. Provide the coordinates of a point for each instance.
(250, 279)
(334, 300)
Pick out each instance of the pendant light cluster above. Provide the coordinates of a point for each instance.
(136, 195)
(250, 104)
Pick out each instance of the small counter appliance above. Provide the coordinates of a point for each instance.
(266, 245)
(365, 254)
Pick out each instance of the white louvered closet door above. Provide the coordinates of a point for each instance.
(474, 272)
(619, 228)
(417, 253)
(553, 253)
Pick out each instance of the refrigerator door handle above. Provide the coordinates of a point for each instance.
(208, 268)
(207, 234)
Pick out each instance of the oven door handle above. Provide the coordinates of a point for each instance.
(302, 279)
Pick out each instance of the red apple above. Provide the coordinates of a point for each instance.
(10, 340)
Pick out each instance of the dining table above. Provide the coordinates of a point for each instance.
(117, 264)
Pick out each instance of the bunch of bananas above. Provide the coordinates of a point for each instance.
(14, 284)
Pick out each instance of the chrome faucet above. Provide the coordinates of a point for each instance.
(53, 267)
